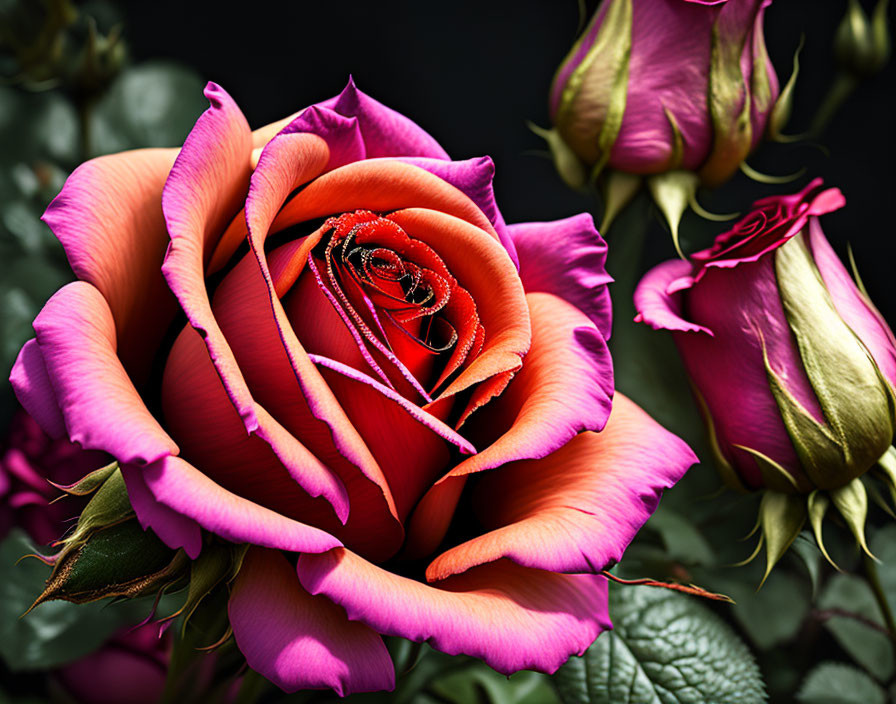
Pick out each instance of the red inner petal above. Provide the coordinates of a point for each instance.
(410, 318)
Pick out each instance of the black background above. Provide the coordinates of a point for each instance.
(471, 73)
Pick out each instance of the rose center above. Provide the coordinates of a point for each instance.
(397, 295)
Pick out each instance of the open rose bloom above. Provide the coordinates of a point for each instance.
(321, 339)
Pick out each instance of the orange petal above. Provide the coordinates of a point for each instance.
(109, 220)
(564, 387)
(577, 509)
(379, 185)
(481, 266)
(511, 617)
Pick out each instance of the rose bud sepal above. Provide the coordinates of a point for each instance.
(857, 402)
(108, 553)
(589, 112)
(781, 518)
(862, 46)
(218, 564)
(89, 483)
(886, 472)
(120, 560)
(108, 506)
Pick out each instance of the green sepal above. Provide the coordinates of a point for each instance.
(618, 190)
(217, 563)
(591, 131)
(886, 465)
(760, 82)
(875, 495)
(769, 179)
(780, 114)
(817, 506)
(880, 32)
(862, 46)
(677, 154)
(122, 560)
(856, 401)
(672, 192)
(855, 273)
(782, 517)
(774, 476)
(568, 165)
(90, 482)
(729, 105)
(108, 506)
(706, 214)
(852, 503)
(729, 475)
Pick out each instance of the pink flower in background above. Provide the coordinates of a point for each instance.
(322, 339)
(793, 364)
(30, 460)
(131, 667)
(661, 85)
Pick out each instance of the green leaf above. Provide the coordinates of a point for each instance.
(809, 555)
(771, 616)
(682, 539)
(37, 125)
(836, 683)
(869, 647)
(883, 544)
(154, 104)
(57, 632)
(479, 684)
(665, 648)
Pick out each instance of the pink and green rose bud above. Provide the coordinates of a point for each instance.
(862, 44)
(792, 364)
(659, 85)
(677, 91)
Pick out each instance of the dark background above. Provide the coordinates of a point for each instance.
(471, 73)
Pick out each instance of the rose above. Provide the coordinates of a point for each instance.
(661, 85)
(358, 354)
(28, 459)
(793, 365)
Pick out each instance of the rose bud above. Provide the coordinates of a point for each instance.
(364, 370)
(809, 407)
(679, 91)
(862, 45)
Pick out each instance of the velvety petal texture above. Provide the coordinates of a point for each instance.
(110, 224)
(321, 340)
(567, 258)
(300, 641)
(511, 617)
(577, 509)
(77, 340)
